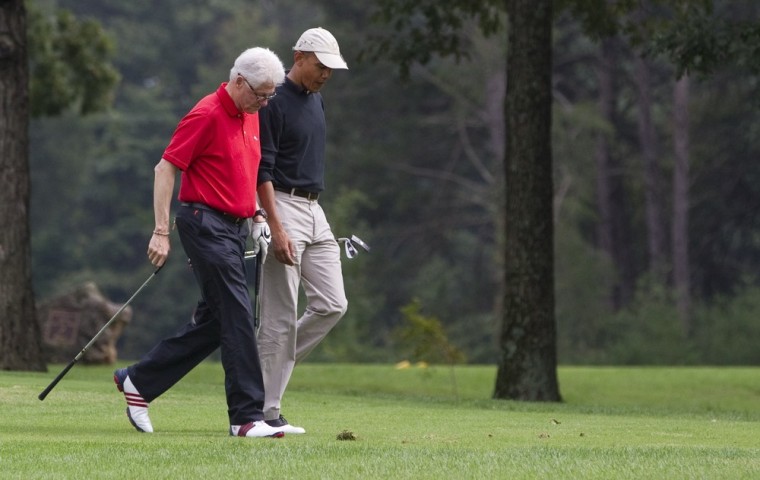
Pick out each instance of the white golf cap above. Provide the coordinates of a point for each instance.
(324, 46)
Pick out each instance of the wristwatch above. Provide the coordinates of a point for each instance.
(260, 213)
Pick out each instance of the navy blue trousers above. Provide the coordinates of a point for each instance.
(223, 319)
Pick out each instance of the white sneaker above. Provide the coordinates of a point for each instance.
(283, 424)
(137, 407)
(256, 429)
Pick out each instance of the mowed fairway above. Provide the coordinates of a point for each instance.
(415, 423)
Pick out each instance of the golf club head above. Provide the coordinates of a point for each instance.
(358, 241)
(349, 244)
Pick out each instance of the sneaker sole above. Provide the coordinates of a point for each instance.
(286, 427)
(274, 435)
(291, 430)
(129, 416)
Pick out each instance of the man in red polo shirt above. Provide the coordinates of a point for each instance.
(216, 148)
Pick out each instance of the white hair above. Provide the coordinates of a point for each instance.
(258, 65)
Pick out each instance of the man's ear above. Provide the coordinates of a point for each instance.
(299, 56)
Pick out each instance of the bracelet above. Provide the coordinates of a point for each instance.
(156, 232)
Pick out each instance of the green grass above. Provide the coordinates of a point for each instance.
(638, 423)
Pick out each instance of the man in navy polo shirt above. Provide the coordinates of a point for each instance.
(216, 147)
(291, 177)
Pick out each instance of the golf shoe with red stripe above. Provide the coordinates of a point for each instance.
(256, 429)
(283, 425)
(137, 407)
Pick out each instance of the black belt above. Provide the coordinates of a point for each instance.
(298, 193)
(230, 218)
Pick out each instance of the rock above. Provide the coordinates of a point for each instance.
(70, 321)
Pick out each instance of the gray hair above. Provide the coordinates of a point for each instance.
(258, 65)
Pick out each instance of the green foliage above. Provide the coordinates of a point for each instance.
(582, 309)
(69, 64)
(697, 37)
(727, 330)
(425, 337)
(649, 333)
(689, 33)
(422, 29)
(702, 41)
(725, 195)
(599, 18)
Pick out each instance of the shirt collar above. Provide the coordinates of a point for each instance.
(294, 87)
(227, 103)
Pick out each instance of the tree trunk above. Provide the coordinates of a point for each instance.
(20, 340)
(681, 271)
(614, 228)
(604, 236)
(528, 364)
(652, 174)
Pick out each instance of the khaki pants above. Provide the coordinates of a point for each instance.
(283, 338)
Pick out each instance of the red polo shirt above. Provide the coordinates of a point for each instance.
(216, 146)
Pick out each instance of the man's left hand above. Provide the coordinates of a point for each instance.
(261, 239)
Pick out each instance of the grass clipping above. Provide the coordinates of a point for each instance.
(346, 435)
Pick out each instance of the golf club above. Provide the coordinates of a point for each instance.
(350, 245)
(257, 288)
(89, 344)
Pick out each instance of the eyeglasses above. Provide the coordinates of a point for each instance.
(259, 97)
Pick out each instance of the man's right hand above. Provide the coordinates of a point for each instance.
(163, 186)
(281, 246)
(284, 250)
(158, 249)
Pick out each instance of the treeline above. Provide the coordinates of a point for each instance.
(414, 168)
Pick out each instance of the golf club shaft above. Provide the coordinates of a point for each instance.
(94, 339)
(257, 291)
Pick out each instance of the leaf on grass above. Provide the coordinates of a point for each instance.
(402, 365)
(543, 435)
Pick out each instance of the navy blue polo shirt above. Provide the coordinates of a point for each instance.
(293, 136)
